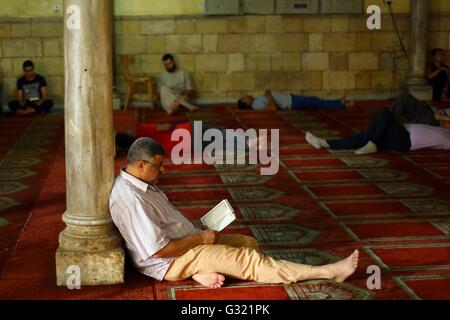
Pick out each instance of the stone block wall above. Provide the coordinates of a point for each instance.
(230, 56)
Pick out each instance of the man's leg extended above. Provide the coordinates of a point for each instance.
(248, 264)
(304, 102)
(355, 141)
(185, 103)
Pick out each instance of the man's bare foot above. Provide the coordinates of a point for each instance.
(173, 108)
(191, 108)
(347, 103)
(343, 269)
(28, 110)
(211, 280)
(350, 104)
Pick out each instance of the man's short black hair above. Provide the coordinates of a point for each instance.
(436, 51)
(242, 105)
(27, 64)
(168, 56)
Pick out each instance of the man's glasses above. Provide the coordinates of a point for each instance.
(159, 166)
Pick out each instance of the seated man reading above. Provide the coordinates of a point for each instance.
(175, 87)
(31, 93)
(164, 245)
(273, 100)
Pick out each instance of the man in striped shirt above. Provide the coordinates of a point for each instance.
(164, 245)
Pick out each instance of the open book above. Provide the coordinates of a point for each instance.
(446, 112)
(219, 217)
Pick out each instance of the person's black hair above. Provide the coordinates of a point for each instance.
(27, 63)
(168, 56)
(436, 50)
(124, 141)
(242, 105)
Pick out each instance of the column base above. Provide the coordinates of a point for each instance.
(96, 268)
(421, 92)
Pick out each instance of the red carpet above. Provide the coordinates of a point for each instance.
(320, 206)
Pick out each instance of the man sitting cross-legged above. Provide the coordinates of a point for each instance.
(164, 245)
(31, 93)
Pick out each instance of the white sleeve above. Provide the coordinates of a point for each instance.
(141, 229)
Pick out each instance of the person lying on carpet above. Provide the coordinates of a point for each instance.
(175, 87)
(386, 133)
(31, 92)
(408, 108)
(162, 133)
(273, 100)
(164, 245)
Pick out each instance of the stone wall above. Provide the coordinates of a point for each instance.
(232, 56)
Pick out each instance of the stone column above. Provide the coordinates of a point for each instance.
(416, 81)
(89, 243)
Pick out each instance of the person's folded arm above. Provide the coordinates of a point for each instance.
(44, 94)
(440, 116)
(178, 247)
(272, 105)
(20, 98)
(433, 74)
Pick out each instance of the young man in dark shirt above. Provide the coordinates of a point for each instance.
(437, 74)
(31, 93)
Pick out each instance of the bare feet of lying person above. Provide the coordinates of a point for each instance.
(350, 104)
(343, 269)
(211, 280)
(347, 103)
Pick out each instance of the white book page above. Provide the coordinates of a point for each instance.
(219, 217)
